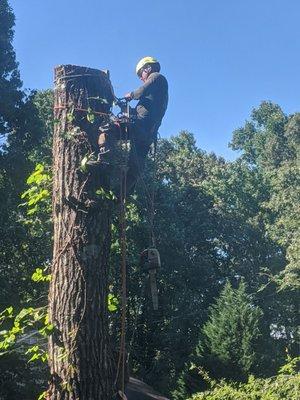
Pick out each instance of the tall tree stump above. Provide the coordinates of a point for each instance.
(79, 355)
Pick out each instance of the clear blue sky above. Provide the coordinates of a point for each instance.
(222, 58)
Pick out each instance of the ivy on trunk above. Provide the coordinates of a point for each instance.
(80, 359)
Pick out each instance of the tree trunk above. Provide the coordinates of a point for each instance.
(79, 354)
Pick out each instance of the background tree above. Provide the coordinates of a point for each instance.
(10, 83)
(21, 131)
(231, 334)
(271, 147)
(229, 342)
(188, 280)
(20, 253)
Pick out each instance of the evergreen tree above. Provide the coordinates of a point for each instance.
(228, 346)
(230, 336)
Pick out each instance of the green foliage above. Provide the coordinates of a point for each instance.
(232, 331)
(228, 345)
(15, 341)
(103, 194)
(38, 192)
(10, 83)
(262, 140)
(270, 144)
(286, 385)
(37, 353)
(43, 107)
(113, 303)
(39, 276)
(42, 396)
(90, 116)
(84, 162)
(283, 225)
(278, 388)
(70, 116)
(291, 367)
(20, 379)
(21, 325)
(20, 130)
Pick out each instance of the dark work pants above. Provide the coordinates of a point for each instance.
(140, 142)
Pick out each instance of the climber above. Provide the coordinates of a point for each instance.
(152, 103)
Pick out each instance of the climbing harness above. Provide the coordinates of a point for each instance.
(110, 127)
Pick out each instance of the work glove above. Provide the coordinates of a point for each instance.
(128, 96)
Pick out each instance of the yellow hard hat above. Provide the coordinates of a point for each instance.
(144, 61)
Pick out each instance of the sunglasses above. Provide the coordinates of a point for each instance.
(140, 73)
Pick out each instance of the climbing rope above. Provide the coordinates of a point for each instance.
(65, 107)
(123, 243)
(134, 322)
(121, 364)
(150, 196)
(152, 239)
(123, 192)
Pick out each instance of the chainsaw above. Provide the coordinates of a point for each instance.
(126, 114)
(150, 263)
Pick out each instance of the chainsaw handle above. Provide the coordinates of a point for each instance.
(121, 101)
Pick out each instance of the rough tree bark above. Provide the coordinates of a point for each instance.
(79, 355)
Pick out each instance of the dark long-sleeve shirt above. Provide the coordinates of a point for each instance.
(153, 102)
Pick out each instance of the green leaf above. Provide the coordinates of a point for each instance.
(84, 161)
(70, 116)
(32, 210)
(83, 164)
(109, 195)
(33, 349)
(90, 116)
(35, 356)
(38, 276)
(9, 310)
(113, 302)
(42, 396)
(23, 313)
(39, 169)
